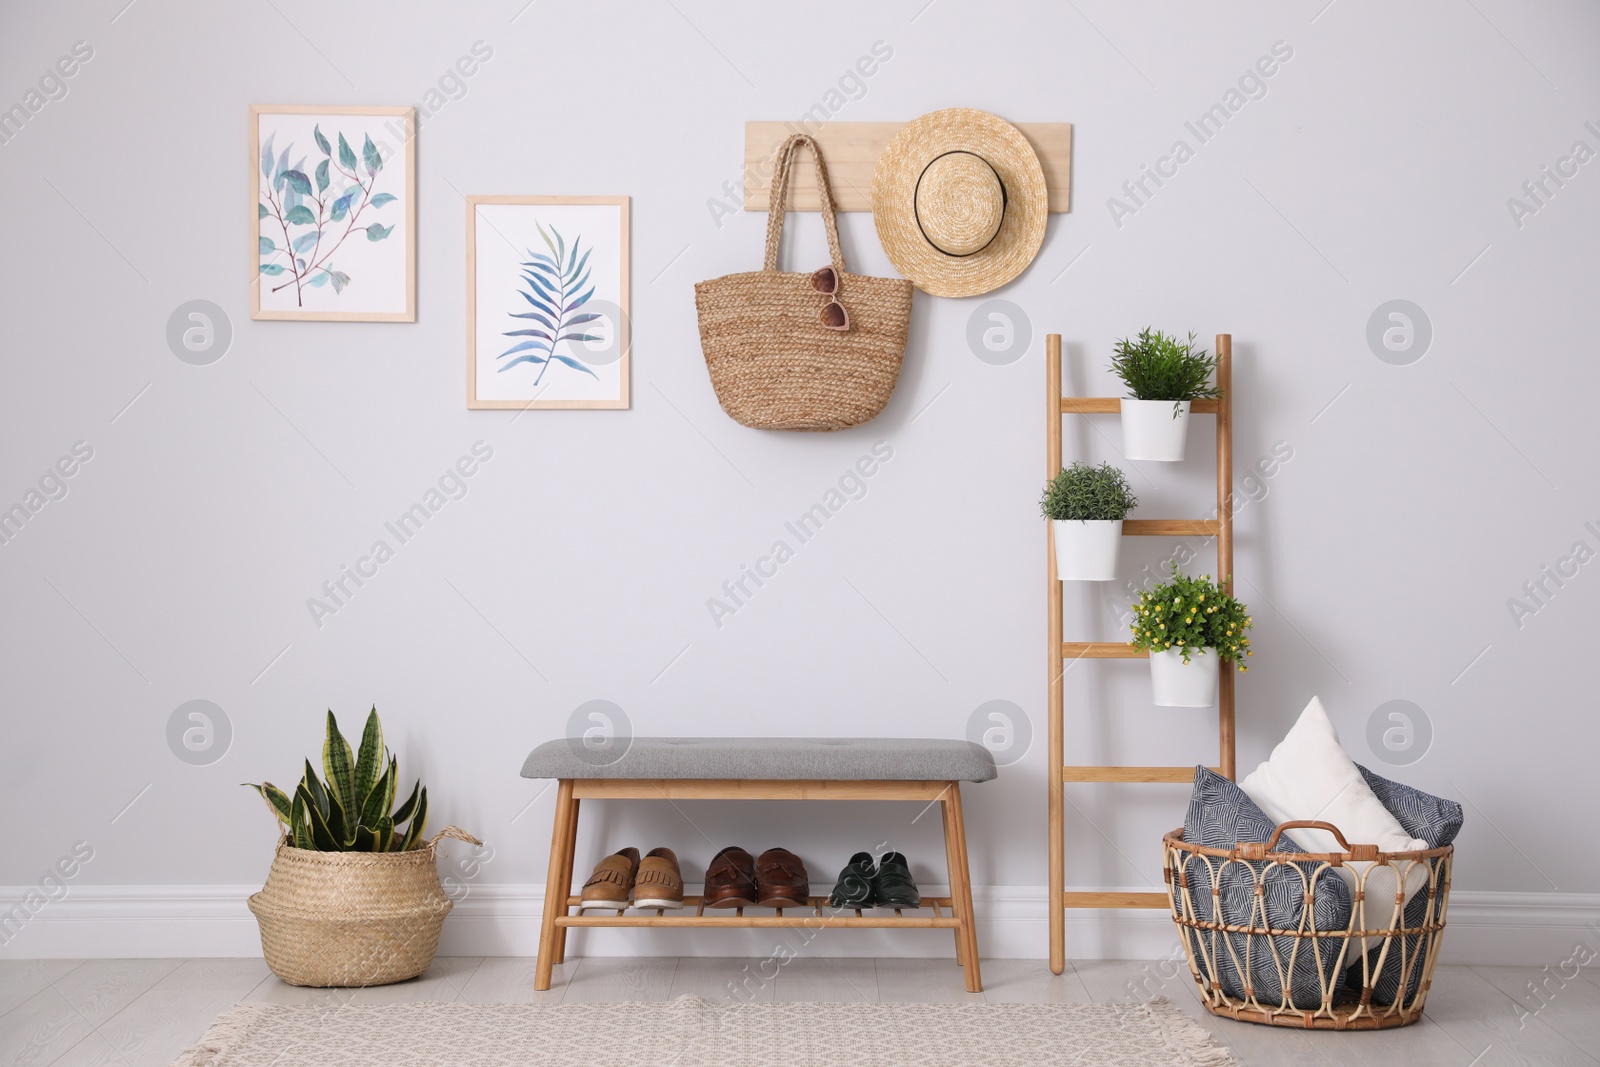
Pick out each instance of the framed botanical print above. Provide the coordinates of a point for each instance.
(333, 237)
(547, 302)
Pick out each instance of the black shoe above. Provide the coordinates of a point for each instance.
(854, 888)
(892, 886)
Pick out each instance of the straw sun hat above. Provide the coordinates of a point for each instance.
(959, 201)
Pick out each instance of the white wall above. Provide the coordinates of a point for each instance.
(1379, 562)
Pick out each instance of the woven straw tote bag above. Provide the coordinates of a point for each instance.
(781, 353)
(352, 918)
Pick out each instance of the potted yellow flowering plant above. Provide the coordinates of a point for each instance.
(1189, 626)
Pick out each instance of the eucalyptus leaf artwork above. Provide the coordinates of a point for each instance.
(556, 287)
(306, 219)
(334, 233)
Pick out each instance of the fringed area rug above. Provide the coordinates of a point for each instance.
(690, 1032)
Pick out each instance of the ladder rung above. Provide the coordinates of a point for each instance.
(1176, 775)
(1110, 405)
(1115, 900)
(1170, 527)
(1101, 650)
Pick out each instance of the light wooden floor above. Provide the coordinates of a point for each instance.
(132, 1013)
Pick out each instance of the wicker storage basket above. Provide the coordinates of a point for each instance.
(1382, 961)
(352, 918)
(774, 366)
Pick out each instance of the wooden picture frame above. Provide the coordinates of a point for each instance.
(376, 287)
(505, 245)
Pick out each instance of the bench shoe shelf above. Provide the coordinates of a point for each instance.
(817, 914)
(749, 769)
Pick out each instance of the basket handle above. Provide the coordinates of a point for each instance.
(1256, 849)
(456, 832)
(778, 200)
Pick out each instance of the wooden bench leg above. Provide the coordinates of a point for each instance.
(570, 851)
(952, 863)
(955, 840)
(558, 883)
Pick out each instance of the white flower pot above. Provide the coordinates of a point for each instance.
(1086, 549)
(1150, 431)
(1176, 684)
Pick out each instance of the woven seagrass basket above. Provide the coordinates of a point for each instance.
(772, 362)
(1372, 973)
(352, 918)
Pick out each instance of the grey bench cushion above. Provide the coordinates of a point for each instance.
(766, 758)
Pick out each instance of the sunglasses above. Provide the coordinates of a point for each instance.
(833, 315)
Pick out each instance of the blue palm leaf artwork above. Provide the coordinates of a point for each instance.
(556, 287)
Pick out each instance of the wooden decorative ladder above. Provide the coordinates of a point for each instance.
(1063, 653)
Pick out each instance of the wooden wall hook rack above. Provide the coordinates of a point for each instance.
(852, 150)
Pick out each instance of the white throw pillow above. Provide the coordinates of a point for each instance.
(1310, 776)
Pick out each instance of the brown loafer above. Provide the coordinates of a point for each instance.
(781, 880)
(731, 879)
(612, 881)
(658, 885)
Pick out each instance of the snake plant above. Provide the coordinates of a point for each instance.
(353, 810)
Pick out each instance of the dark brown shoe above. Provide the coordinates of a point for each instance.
(731, 879)
(781, 880)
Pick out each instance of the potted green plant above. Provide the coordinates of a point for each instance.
(1086, 506)
(1163, 375)
(1189, 626)
(353, 897)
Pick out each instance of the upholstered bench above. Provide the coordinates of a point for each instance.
(760, 768)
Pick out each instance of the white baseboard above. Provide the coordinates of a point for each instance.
(1528, 929)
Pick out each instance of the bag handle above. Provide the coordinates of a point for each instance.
(778, 201)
